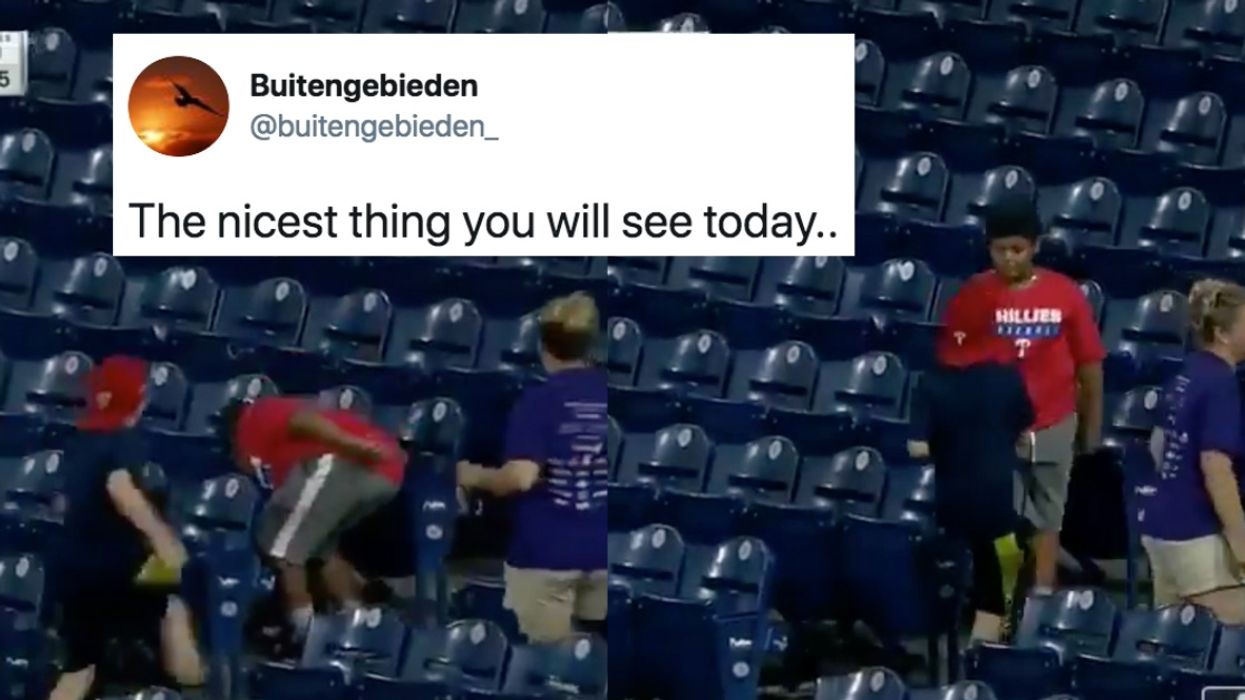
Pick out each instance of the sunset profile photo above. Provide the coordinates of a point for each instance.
(179, 106)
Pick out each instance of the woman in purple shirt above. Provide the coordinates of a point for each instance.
(1190, 515)
(556, 470)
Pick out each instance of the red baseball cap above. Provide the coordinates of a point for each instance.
(115, 393)
(967, 336)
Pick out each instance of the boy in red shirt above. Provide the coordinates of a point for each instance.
(329, 470)
(1051, 328)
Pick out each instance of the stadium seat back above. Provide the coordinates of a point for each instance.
(866, 684)
(1088, 211)
(1178, 636)
(651, 562)
(679, 458)
(1178, 223)
(698, 362)
(804, 285)
(55, 387)
(88, 291)
(226, 504)
(168, 391)
(19, 265)
(355, 326)
(470, 654)
(909, 494)
(873, 384)
(21, 587)
(272, 311)
(36, 482)
(26, 159)
(182, 298)
(1112, 115)
(939, 86)
(1073, 621)
(1025, 101)
(915, 188)
(446, 334)
(764, 472)
(784, 376)
(623, 351)
(578, 665)
(346, 398)
(870, 72)
(1194, 129)
(900, 289)
(851, 481)
(735, 578)
(435, 426)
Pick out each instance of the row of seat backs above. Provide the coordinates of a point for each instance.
(477, 652)
(877, 683)
(55, 387)
(734, 576)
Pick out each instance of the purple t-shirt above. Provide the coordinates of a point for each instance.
(1201, 413)
(561, 524)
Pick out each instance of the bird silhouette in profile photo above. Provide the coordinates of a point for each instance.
(185, 99)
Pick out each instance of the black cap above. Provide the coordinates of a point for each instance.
(1016, 216)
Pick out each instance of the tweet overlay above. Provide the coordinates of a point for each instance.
(499, 145)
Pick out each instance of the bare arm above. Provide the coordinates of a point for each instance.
(1222, 487)
(1089, 405)
(515, 476)
(133, 505)
(312, 425)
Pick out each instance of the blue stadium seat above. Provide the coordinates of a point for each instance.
(1176, 225)
(721, 278)
(912, 187)
(405, 16)
(683, 644)
(339, 651)
(762, 471)
(321, 16)
(964, 690)
(19, 265)
(577, 665)
(26, 158)
(1149, 644)
(866, 684)
(208, 399)
(149, 694)
(1145, 337)
(444, 334)
(53, 56)
(600, 18)
(87, 290)
(168, 395)
(355, 326)
(1053, 630)
(270, 312)
(871, 386)
(512, 345)
(222, 508)
(1212, 26)
(500, 17)
(651, 562)
(1126, 21)
(1225, 670)
(946, 10)
(1082, 213)
(1094, 295)
(1191, 129)
(623, 351)
(675, 457)
(52, 389)
(803, 285)
(28, 502)
(28, 648)
(783, 375)
(179, 299)
(1024, 101)
(938, 87)
(870, 72)
(683, 22)
(465, 655)
(695, 363)
(1111, 116)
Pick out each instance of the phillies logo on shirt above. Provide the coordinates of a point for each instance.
(1028, 323)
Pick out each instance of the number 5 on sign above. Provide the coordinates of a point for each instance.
(13, 57)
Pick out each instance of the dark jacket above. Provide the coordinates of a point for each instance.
(972, 419)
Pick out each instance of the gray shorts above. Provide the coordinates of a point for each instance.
(1043, 484)
(319, 502)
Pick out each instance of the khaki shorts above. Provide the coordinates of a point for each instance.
(1183, 570)
(547, 602)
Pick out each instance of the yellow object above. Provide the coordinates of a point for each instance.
(156, 573)
(1011, 559)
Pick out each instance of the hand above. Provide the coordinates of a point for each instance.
(1024, 446)
(370, 452)
(468, 473)
(918, 449)
(173, 554)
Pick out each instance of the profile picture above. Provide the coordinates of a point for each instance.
(179, 106)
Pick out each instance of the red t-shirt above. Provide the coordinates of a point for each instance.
(1048, 325)
(263, 434)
